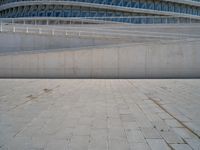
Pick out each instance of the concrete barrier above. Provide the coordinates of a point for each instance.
(157, 60)
(12, 42)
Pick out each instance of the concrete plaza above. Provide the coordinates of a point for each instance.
(81, 114)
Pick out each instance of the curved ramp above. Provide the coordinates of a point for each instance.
(137, 57)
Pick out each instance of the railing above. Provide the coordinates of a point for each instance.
(54, 31)
(101, 20)
(49, 31)
(43, 26)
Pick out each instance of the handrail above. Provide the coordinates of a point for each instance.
(103, 20)
(79, 32)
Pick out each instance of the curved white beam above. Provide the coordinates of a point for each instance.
(187, 2)
(93, 5)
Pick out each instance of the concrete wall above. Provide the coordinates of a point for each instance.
(28, 42)
(169, 60)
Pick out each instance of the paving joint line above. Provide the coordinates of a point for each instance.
(31, 97)
(159, 105)
(184, 125)
(48, 107)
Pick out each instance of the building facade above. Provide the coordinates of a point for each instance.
(100, 8)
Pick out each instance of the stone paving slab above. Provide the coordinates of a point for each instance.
(84, 114)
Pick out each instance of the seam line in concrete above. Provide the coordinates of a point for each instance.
(184, 125)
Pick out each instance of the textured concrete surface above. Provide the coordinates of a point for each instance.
(17, 42)
(26, 37)
(107, 51)
(178, 59)
(99, 114)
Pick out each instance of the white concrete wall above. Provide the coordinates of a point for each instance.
(178, 59)
(29, 42)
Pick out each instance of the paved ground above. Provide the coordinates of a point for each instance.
(99, 114)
